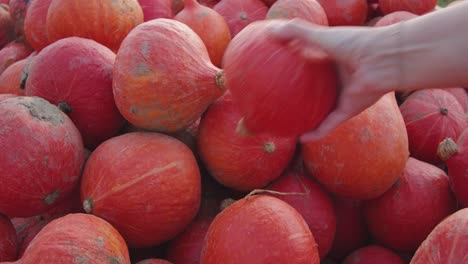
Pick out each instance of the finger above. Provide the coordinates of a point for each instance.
(332, 121)
(295, 29)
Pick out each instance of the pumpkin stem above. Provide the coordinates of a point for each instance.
(88, 206)
(443, 111)
(220, 79)
(244, 16)
(259, 191)
(226, 203)
(447, 148)
(269, 147)
(64, 107)
(241, 129)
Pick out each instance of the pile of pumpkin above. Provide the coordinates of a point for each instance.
(158, 129)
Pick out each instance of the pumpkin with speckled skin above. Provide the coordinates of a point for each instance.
(13, 52)
(8, 240)
(309, 10)
(364, 156)
(431, 115)
(81, 70)
(163, 77)
(394, 18)
(157, 198)
(153, 9)
(13, 79)
(404, 215)
(373, 254)
(209, 25)
(262, 229)
(418, 7)
(106, 21)
(35, 27)
(45, 156)
(77, 238)
(237, 161)
(6, 25)
(240, 13)
(447, 243)
(345, 12)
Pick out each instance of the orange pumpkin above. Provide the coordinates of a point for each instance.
(35, 29)
(105, 21)
(363, 157)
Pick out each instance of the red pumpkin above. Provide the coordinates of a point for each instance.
(309, 10)
(240, 13)
(345, 12)
(108, 24)
(164, 87)
(6, 26)
(18, 11)
(45, 156)
(82, 87)
(351, 230)
(27, 228)
(8, 240)
(461, 96)
(154, 261)
(447, 243)
(455, 157)
(403, 216)
(13, 52)
(186, 247)
(153, 9)
(5, 2)
(430, 116)
(210, 27)
(281, 237)
(418, 7)
(13, 79)
(363, 157)
(156, 199)
(373, 254)
(4, 97)
(77, 237)
(315, 206)
(35, 28)
(240, 162)
(395, 17)
(285, 94)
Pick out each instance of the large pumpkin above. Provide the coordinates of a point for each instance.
(43, 156)
(76, 75)
(106, 21)
(363, 157)
(237, 161)
(165, 80)
(431, 115)
(77, 238)
(153, 9)
(284, 94)
(35, 27)
(147, 185)
(259, 229)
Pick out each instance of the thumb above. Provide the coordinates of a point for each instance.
(332, 121)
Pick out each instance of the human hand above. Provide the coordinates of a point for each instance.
(365, 70)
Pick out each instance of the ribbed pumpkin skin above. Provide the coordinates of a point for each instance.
(81, 70)
(209, 25)
(148, 203)
(106, 21)
(240, 13)
(418, 7)
(77, 238)
(237, 161)
(163, 77)
(345, 12)
(363, 157)
(8, 240)
(430, 116)
(309, 10)
(45, 156)
(283, 95)
(405, 215)
(447, 243)
(35, 27)
(373, 254)
(262, 229)
(394, 18)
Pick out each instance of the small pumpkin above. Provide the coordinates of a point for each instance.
(13, 79)
(35, 27)
(6, 25)
(345, 12)
(309, 10)
(8, 240)
(373, 254)
(18, 11)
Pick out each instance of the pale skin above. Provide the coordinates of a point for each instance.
(430, 51)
